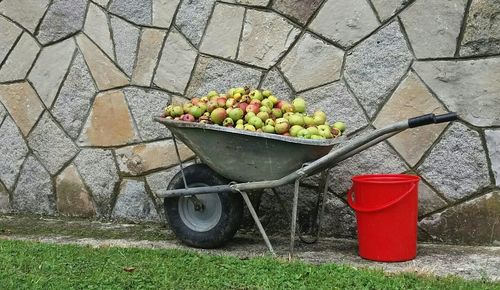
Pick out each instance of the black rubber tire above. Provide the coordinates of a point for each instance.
(231, 215)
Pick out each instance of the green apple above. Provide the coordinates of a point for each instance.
(313, 130)
(256, 122)
(270, 122)
(240, 122)
(265, 109)
(281, 125)
(263, 116)
(266, 93)
(295, 129)
(268, 129)
(304, 134)
(236, 114)
(317, 137)
(239, 126)
(309, 121)
(228, 122)
(299, 105)
(196, 111)
(339, 125)
(296, 119)
(319, 118)
(212, 94)
(177, 111)
(273, 99)
(249, 127)
(240, 90)
(249, 115)
(267, 103)
(277, 113)
(256, 94)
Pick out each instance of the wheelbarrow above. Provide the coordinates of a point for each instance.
(204, 202)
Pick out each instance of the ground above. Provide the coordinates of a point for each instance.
(435, 259)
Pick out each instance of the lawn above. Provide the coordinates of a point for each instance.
(26, 265)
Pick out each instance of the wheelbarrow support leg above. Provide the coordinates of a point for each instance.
(294, 217)
(257, 221)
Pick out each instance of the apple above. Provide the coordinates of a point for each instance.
(177, 111)
(268, 129)
(313, 130)
(339, 125)
(249, 127)
(295, 130)
(296, 119)
(266, 93)
(256, 95)
(256, 122)
(299, 105)
(319, 118)
(276, 112)
(196, 111)
(273, 99)
(212, 94)
(267, 103)
(309, 121)
(263, 116)
(249, 115)
(281, 125)
(236, 114)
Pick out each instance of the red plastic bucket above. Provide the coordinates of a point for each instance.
(386, 207)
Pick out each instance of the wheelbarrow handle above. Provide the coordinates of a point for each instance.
(431, 119)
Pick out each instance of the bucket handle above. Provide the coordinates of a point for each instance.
(389, 204)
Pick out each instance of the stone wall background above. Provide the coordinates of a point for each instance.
(79, 81)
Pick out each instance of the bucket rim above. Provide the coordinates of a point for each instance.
(385, 178)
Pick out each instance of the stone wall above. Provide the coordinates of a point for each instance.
(80, 80)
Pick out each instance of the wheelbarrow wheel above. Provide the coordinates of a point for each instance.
(217, 220)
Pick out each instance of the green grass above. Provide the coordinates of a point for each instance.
(26, 265)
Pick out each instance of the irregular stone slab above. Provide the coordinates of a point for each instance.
(134, 204)
(275, 82)
(3, 113)
(311, 63)
(34, 192)
(96, 27)
(109, 123)
(48, 72)
(27, 13)
(428, 200)
(345, 21)
(163, 12)
(125, 37)
(378, 159)
(104, 71)
(22, 103)
(4, 200)
(433, 26)
(75, 98)
(457, 165)
(176, 63)
(98, 169)
(474, 222)
(139, 12)
(387, 8)
(468, 87)
(20, 59)
(102, 3)
(192, 18)
(147, 57)
(482, 30)
(375, 66)
(215, 74)
(64, 17)
(411, 99)
(9, 32)
(13, 150)
(139, 159)
(144, 105)
(493, 143)
(258, 3)
(223, 32)
(51, 145)
(73, 199)
(266, 37)
(338, 104)
(298, 10)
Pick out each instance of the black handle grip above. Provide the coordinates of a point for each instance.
(421, 120)
(446, 117)
(431, 119)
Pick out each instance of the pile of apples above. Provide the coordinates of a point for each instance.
(256, 110)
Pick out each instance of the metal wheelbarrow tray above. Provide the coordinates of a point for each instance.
(197, 202)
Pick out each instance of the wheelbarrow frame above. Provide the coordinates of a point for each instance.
(323, 164)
